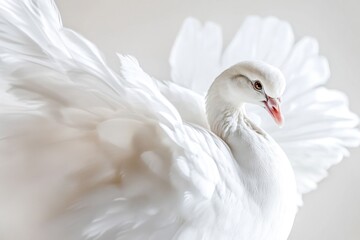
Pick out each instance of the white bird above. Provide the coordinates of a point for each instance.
(87, 153)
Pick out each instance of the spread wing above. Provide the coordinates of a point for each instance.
(90, 154)
(319, 126)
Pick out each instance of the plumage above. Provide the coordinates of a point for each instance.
(89, 153)
(312, 143)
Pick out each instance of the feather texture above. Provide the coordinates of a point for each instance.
(87, 153)
(76, 160)
(319, 126)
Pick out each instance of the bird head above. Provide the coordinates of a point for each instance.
(253, 82)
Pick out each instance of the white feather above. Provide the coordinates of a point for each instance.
(87, 153)
(91, 154)
(194, 61)
(318, 128)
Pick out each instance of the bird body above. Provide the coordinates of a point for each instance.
(89, 153)
(264, 169)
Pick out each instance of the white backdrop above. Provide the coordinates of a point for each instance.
(147, 29)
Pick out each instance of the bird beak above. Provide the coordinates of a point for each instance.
(272, 105)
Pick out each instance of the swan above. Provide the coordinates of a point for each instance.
(90, 153)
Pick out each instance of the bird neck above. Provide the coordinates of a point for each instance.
(260, 159)
(223, 116)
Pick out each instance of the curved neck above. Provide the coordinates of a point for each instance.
(223, 116)
(255, 152)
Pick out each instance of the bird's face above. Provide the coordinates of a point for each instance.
(257, 83)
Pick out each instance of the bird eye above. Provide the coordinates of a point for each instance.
(257, 85)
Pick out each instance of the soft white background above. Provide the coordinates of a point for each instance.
(147, 29)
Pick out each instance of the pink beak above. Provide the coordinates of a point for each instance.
(272, 105)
